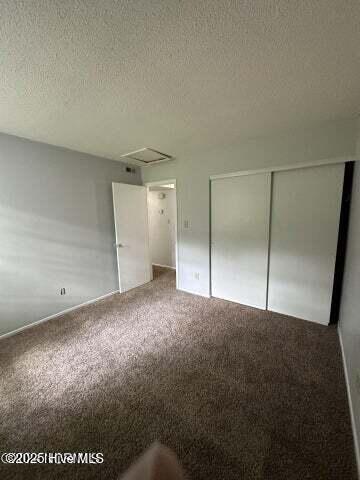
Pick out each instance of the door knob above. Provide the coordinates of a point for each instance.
(119, 245)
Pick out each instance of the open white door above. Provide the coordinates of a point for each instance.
(132, 235)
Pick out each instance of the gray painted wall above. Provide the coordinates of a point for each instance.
(56, 229)
(350, 303)
(192, 171)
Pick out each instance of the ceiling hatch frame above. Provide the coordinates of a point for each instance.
(147, 156)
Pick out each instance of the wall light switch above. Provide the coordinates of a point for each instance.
(186, 224)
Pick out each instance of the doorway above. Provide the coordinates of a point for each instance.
(162, 219)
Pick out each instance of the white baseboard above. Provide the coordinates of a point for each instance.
(55, 315)
(163, 266)
(194, 293)
(352, 414)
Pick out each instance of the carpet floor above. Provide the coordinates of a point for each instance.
(236, 392)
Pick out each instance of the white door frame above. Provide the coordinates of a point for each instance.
(167, 182)
(280, 168)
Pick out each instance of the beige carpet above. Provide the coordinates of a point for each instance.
(236, 392)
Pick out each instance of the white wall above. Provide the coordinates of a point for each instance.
(192, 171)
(162, 215)
(56, 229)
(350, 304)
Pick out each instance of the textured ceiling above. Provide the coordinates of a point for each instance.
(108, 77)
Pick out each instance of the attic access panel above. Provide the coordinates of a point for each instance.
(146, 156)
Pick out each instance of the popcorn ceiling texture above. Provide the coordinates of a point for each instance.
(236, 392)
(106, 77)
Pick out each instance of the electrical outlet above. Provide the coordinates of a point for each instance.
(63, 291)
(197, 275)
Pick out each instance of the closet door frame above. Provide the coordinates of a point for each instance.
(343, 221)
(304, 238)
(279, 168)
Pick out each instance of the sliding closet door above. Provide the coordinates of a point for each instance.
(305, 215)
(239, 238)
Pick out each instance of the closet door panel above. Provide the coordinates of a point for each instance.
(240, 209)
(305, 216)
